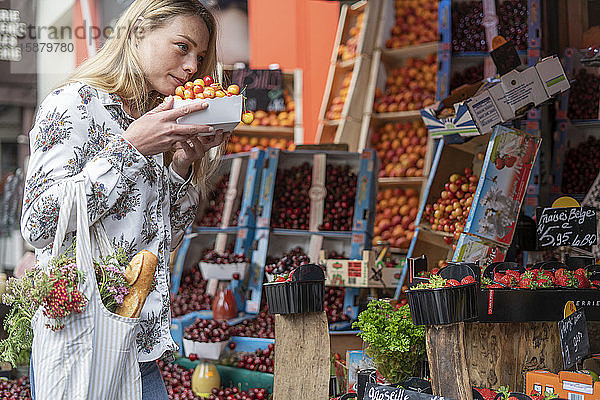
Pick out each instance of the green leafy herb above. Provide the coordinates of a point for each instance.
(396, 345)
(435, 281)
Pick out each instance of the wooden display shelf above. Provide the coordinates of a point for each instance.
(416, 181)
(397, 116)
(397, 55)
(260, 130)
(441, 234)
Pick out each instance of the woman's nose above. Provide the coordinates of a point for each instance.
(190, 65)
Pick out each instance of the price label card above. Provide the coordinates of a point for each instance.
(264, 88)
(574, 339)
(566, 226)
(382, 392)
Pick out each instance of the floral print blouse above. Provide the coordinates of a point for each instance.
(142, 204)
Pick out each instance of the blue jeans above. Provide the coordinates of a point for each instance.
(153, 386)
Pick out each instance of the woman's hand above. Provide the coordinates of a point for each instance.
(157, 131)
(188, 151)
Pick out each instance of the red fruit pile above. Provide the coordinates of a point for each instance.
(15, 389)
(468, 33)
(334, 304)
(513, 22)
(487, 394)
(287, 263)
(205, 88)
(263, 326)
(340, 182)
(584, 95)
(214, 210)
(449, 213)
(291, 204)
(396, 211)
(178, 381)
(261, 360)
(191, 296)
(347, 50)
(542, 279)
(401, 147)
(416, 22)
(408, 88)
(235, 394)
(470, 75)
(581, 166)
(213, 257)
(207, 331)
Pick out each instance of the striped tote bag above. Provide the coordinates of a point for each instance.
(94, 355)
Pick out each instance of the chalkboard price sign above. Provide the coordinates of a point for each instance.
(574, 340)
(566, 226)
(382, 392)
(264, 88)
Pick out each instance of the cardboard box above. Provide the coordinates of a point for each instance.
(460, 122)
(471, 248)
(516, 92)
(222, 113)
(502, 186)
(565, 384)
(359, 273)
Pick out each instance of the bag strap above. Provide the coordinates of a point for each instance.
(63, 218)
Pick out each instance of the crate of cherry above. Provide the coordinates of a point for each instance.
(317, 190)
(513, 293)
(223, 266)
(206, 338)
(446, 297)
(233, 199)
(302, 291)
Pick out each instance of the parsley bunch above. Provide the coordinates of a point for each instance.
(396, 345)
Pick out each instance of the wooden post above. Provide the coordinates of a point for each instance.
(489, 355)
(447, 361)
(301, 357)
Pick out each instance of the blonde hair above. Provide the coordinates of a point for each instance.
(116, 68)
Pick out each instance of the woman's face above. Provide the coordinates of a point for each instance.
(169, 56)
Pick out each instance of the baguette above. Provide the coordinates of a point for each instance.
(139, 274)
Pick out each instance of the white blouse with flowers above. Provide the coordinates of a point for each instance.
(142, 204)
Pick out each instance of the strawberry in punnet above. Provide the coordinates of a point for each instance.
(595, 284)
(467, 279)
(516, 275)
(582, 281)
(527, 283)
(487, 394)
(452, 282)
(565, 278)
(504, 280)
(581, 271)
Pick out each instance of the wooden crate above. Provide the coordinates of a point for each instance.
(276, 242)
(345, 128)
(387, 20)
(292, 83)
(577, 19)
(367, 35)
(362, 164)
(449, 159)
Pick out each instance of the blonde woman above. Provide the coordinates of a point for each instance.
(143, 172)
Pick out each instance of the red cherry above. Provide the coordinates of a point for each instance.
(208, 80)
